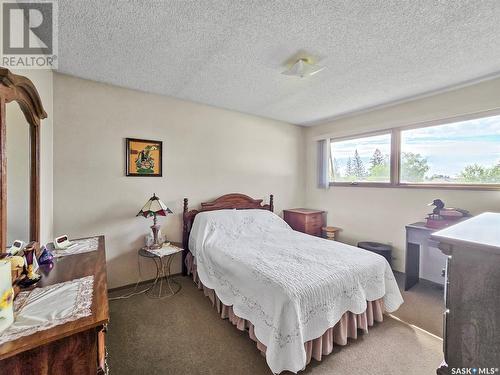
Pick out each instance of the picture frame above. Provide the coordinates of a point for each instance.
(143, 158)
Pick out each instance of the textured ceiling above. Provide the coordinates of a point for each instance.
(230, 53)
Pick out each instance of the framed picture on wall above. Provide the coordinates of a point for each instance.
(143, 157)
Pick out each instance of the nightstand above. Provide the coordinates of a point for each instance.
(330, 233)
(163, 285)
(305, 220)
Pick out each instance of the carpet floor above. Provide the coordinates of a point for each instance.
(424, 305)
(184, 335)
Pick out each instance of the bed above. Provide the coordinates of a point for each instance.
(296, 295)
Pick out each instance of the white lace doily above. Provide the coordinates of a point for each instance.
(43, 308)
(166, 250)
(78, 247)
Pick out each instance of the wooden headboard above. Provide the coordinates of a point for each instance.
(228, 201)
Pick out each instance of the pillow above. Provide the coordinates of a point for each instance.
(233, 222)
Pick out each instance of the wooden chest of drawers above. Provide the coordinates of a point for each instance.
(77, 347)
(472, 297)
(305, 220)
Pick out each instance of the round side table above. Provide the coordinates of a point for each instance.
(163, 285)
(330, 233)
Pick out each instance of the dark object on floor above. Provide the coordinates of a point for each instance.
(378, 248)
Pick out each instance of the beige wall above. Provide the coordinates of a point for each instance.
(207, 152)
(18, 179)
(43, 80)
(380, 214)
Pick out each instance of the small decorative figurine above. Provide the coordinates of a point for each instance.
(45, 257)
(16, 265)
(439, 205)
(31, 265)
(442, 217)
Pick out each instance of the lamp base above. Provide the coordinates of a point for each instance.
(155, 228)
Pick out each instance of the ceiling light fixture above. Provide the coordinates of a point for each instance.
(303, 67)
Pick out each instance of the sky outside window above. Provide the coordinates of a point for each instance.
(364, 159)
(465, 152)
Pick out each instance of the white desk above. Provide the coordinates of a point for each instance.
(423, 259)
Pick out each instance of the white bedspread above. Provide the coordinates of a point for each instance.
(291, 286)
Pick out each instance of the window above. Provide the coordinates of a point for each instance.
(458, 154)
(466, 152)
(364, 159)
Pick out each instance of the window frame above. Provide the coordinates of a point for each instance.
(365, 135)
(395, 156)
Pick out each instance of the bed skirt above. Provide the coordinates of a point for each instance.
(347, 327)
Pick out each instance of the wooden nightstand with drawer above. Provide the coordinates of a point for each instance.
(305, 220)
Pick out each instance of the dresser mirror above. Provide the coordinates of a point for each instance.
(18, 175)
(21, 112)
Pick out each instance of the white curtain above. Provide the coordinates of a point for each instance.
(323, 163)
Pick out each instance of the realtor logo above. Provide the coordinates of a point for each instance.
(29, 34)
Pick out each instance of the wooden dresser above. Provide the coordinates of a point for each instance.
(471, 325)
(305, 220)
(77, 347)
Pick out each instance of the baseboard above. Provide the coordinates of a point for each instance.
(429, 283)
(140, 283)
(432, 283)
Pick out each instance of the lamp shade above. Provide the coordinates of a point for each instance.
(153, 207)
